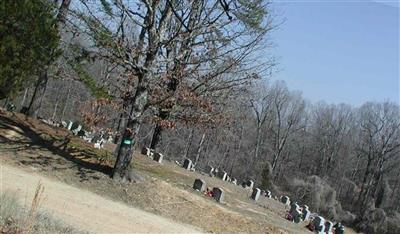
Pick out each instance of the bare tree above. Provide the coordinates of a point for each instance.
(201, 35)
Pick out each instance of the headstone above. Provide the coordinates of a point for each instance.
(234, 181)
(218, 194)
(10, 107)
(297, 216)
(328, 227)
(268, 194)
(294, 206)
(339, 228)
(81, 133)
(285, 200)
(187, 164)
(144, 151)
(305, 207)
(319, 225)
(158, 157)
(69, 125)
(250, 184)
(209, 170)
(76, 130)
(24, 110)
(199, 185)
(306, 213)
(150, 153)
(193, 168)
(256, 194)
(222, 175)
(102, 141)
(64, 124)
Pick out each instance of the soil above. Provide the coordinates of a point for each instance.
(85, 210)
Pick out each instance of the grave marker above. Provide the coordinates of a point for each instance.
(234, 181)
(285, 200)
(199, 185)
(222, 175)
(306, 214)
(256, 194)
(219, 194)
(339, 228)
(187, 164)
(69, 125)
(328, 227)
(158, 157)
(319, 224)
(268, 194)
(209, 170)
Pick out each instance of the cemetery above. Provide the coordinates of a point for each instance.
(184, 187)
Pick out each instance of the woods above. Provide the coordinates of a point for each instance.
(186, 77)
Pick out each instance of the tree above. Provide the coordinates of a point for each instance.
(206, 37)
(288, 110)
(28, 39)
(379, 146)
(41, 83)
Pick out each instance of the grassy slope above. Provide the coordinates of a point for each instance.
(164, 190)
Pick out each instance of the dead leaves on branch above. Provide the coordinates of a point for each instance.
(96, 112)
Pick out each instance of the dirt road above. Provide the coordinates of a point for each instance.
(85, 210)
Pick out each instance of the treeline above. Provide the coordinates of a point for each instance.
(186, 78)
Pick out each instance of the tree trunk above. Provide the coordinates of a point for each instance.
(55, 108)
(24, 97)
(124, 157)
(158, 129)
(258, 141)
(199, 148)
(66, 102)
(189, 143)
(38, 93)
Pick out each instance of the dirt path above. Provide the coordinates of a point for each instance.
(86, 210)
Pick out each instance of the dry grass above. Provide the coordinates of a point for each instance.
(17, 219)
(166, 189)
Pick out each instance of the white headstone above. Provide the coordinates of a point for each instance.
(76, 130)
(234, 181)
(256, 194)
(69, 125)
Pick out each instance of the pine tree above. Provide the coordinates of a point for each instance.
(28, 41)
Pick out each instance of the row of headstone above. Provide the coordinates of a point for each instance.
(51, 122)
(158, 157)
(322, 226)
(69, 126)
(302, 213)
(217, 193)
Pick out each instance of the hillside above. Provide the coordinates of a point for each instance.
(162, 189)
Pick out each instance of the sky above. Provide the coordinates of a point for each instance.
(339, 51)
